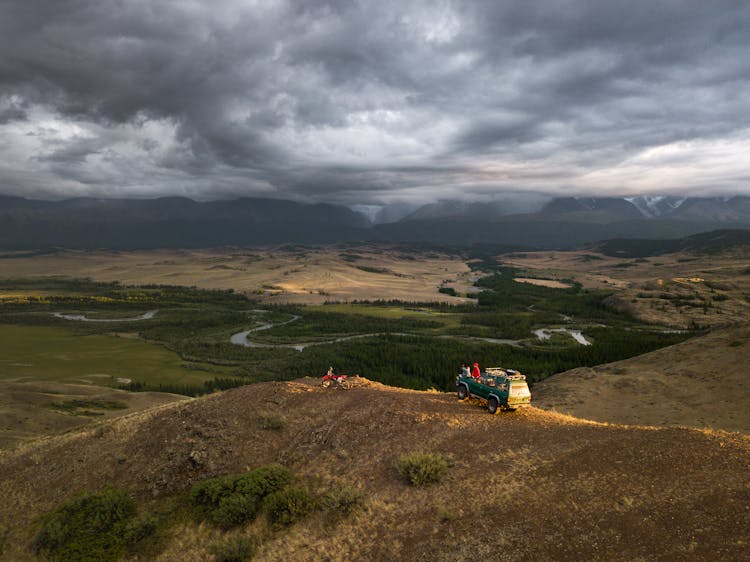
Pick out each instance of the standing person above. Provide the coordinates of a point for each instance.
(475, 371)
(465, 370)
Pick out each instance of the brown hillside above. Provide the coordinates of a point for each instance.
(525, 485)
(703, 382)
(30, 409)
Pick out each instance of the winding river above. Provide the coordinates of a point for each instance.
(241, 338)
(546, 333)
(82, 318)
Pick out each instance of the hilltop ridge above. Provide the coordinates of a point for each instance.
(532, 484)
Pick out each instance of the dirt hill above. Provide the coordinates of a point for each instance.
(703, 382)
(529, 485)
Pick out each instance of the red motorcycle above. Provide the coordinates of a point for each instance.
(338, 381)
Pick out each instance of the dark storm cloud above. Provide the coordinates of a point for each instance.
(364, 102)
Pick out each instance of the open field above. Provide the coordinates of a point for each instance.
(530, 485)
(677, 289)
(279, 275)
(552, 284)
(49, 354)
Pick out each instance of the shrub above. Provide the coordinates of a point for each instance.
(232, 500)
(136, 529)
(288, 506)
(342, 500)
(235, 549)
(235, 510)
(93, 527)
(272, 421)
(419, 469)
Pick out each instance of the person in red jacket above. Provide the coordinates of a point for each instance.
(475, 371)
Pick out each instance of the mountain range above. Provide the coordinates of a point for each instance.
(172, 222)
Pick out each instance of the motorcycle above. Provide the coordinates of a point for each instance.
(337, 381)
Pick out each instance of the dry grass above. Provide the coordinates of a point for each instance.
(552, 284)
(536, 475)
(276, 275)
(700, 383)
(719, 280)
(26, 414)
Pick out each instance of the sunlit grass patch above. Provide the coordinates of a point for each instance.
(273, 421)
(233, 549)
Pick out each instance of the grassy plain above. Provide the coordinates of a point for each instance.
(42, 353)
(43, 369)
(274, 275)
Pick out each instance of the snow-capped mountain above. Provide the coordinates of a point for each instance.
(656, 205)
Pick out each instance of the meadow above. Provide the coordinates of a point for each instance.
(58, 354)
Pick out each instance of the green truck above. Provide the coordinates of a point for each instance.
(502, 388)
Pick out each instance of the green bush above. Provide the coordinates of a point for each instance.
(235, 510)
(235, 549)
(288, 506)
(94, 527)
(136, 529)
(342, 500)
(232, 500)
(419, 469)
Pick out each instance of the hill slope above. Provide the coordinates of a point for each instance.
(702, 382)
(708, 242)
(525, 485)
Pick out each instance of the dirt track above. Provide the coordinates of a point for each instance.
(526, 485)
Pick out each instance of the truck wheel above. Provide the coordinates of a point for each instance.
(463, 392)
(492, 405)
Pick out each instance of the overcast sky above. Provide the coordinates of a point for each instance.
(373, 102)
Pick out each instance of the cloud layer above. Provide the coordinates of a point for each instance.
(373, 102)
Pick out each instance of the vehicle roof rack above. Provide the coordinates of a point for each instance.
(509, 374)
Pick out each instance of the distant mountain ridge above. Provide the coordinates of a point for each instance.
(174, 222)
(170, 222)
(597, 209)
